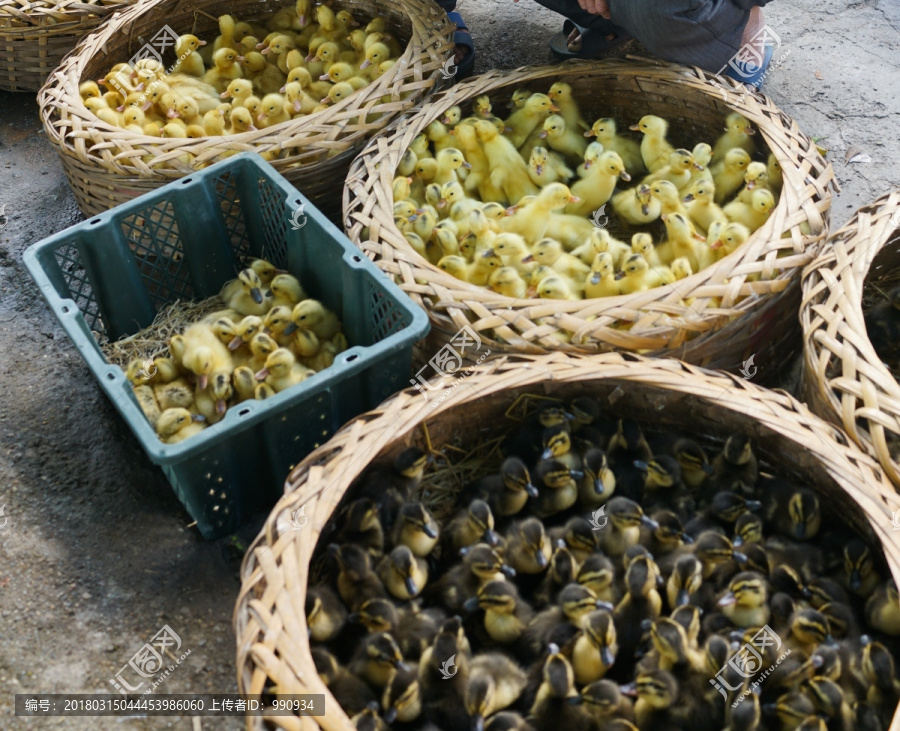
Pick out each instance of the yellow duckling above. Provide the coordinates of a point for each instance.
(376, 54)
(683, 241)
(522, 122)
(478, 272)
(509, 172)
(338, 93)
(482, 107)
(316, 89)
(561, 95)
(282, 370)
(281, 46)
(655, 150)
(186, 86)
(677, 171)
(637, 206)
(544, 169)
(176, 425)
(601, 282)
(212, 402)
(312, 315)
(298, 101)
(532, 219)
(274, 111)
(550, 252)
(754, 215)
(89, 90)
(555, 287)
(738, 133)
(214, 121)
(702, 209)
(190, 62)
(176, 394)
(244, 332)
(598, 184)
(728, 173)
(514, 252)
(265, 77)
(637, 276)
(564, 140)
(246, 295)
(669, 199)
(757, 175)
(642, 243)
(508, 282)
(204, 354)
(681, 268)
(449, 161)
(604, 131)
(101, 110)
(225, 39)
(227, 67)
(241, 121)
(775, 179)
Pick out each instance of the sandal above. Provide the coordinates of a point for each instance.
(594, 42)
(461, 37)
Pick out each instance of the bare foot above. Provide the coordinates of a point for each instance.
(573, 42)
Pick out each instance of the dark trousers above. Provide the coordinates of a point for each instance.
(704, 33)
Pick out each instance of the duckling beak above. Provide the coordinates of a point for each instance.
(266, 50)
(324, 77)
(146, 105)
(539, 169)
(430, 531)
(649, 522)
(855, 580)
(554, 108)
(799, 531)
(541, 559)
(575, 700)
(608, 606)
(281, 90)
(599, 487)
(290, 328)
(531, 490)
(508, 571)
(751, 185)
(198, 417)
(365, 64)
(297, 105)
(688, 198)
(528, 259)
(590, 133)
(202, 381)
(390, 715)
(737, 542)
(471, 604)
(717, 244)
(488, 254)
(641, 465)
(478, 723)
(576, 474)
(466, 165)
(629, 689)
(543, 134)
(256, 295)
(547, 453)
(727, 600)
(262, 375)
(607, 657)
(442, 202)
(740, 557)
(491, 537)
(595, 278)
(587, 164)
(221, 406)
(750, 131)
(682, 598)
(171, 114)
(708, 468)
(619, 275)
(235, 343)
(686, 539)
(410, 585)
(625, 176)
(354, 617)
(574, 199)
(635, 127)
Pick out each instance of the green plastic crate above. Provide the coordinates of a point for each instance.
(111, 274)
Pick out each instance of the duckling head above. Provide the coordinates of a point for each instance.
(601, 630)
(481, 520)
(351, 559)
(669, 639)
(556, 442)
(278, 364)
(877, 665)
(737, 123)
(416, 516)
(338, 92)
(516, 477)
(652, 125)
(411, 463)
(479, 698)
(577, 602)
(662, 471)
(642, 576)
(748, 529)
(497, 596)
(737, 159)
(534, 540)
(757, 174)
(635, 266)
(308, 314)
(597, 572)
(363, 515)
(377, 615)
(729, 506)
(554, 287)
(402, 699)
(681, 160)
(277, 320)
(172, 421)
(326, 664)
(539, 158)
(384, 650)
(805, 514)
(625, 513)
(858, 563)
(747, 589)
(825, 694)
(611, 162)
(592, 154)
(484, 562)
(702, 154)
(762, 201)
(225, 58)
(738, 449)
(713, 548)
(506, 280)
(402, 563)
(602, 696)
(730, 236)
(702, 190)
(595, 466)
(685, 579)
(554, 126)
(656, 688)
(810, 627)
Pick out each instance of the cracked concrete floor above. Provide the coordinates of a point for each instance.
(96, 555)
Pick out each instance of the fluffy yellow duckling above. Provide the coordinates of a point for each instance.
(702, 154)
(532, 219)
(522, 122)
(683, 241)
(274, 111)
(550, 252)
(482, 108)
(244, 332)
(727, 238)
(101, 110)
(329, 27)
(669, 199)
(227, 67)
(246, 295)
(316, 89)
(637, 276)
(775, 179)
(701, 208)
(265, 77)
(449, 161)
(591, 155)
(175, 394)
(756, 176)
(298, 101)
(599, 240)
(738, 133)
(561, 95)
(601, 281)
(176, 425)
(555, 287)
(241, 121)
(225, 39)
(89, 89)
(728, 173)
(642, 243)
(376, 54)
(509, 172)
(186, 86)
(544, 169)
(681, 268)
(598, 184)
(278, 324)
(478, 272)
(514, 252)
(192, 63)
(604, 130)
(212, 402)
(655, 150)
(677, 171)
(285, 290)
(280, 48)
(261, 346)
(282, 370)
(313, 315)
(330, 53)
(564, 140)
(637, 206)
(508, 282)
(244, 384)
(133, 119)
(344, 72)
(338, 93)
(754, 215)
(204, 354)
(214, 121)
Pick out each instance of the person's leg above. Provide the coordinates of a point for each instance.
(464, 58)
(572, 10)
(584, 35)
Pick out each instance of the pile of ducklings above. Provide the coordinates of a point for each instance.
(602, 578)
(270, 337)
(525, 205)
(251, 77)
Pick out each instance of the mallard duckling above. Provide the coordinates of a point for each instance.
(728, 173)
(599, 482)
(607, 705)
(655, 150)
(604, 130)
(754, 214)
(738, 134)
(473, 524)
(284, 290)
(495, 682)
(528, 547)
(683, 585)
(350, 691)
(877, 666)
(362, 526)
(356, 582)
(858, 573)
(506, 614)
(637, 206)
(883, 608)
(735, 468)
(714, 550)
(403, 573)
(656, 692)
(560, 487)
(402, 698)
(598, 574)
(795, 514)
(641, 602)
(177, 424)
(663, 487)
(809, 629)
(746, 601)
(450, 648)
(597, 186)
(325, 613)
(553, 706)
(701, 209)
(595, 649)
(416, 528)
(563, 621)
(244, 383)
(376, 658)
(507, 492)
(480, 565)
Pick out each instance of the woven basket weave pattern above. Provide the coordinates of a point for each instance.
(844, 380)
(270, 614)
(661, 324)
(108, 165)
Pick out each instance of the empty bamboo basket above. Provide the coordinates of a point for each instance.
(107, 165)
(844, 380)
(269, 620)
(743, 305)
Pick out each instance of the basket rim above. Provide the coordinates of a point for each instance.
(849, 255)
(32, 14)
(755, 106)
(320, 480)
(62, 87)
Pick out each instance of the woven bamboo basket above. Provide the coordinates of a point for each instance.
(269, 619)
(108, 165)
(843, 378)
(752, 317)
(35, 35)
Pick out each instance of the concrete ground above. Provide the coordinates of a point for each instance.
(95, 551)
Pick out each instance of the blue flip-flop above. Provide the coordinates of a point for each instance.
(462, 37)
(747, 72)
(594, 42)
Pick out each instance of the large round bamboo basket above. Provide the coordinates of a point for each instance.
(36, 34)
(751, 317)
(269, 619)
(107, 165)
(844, 380)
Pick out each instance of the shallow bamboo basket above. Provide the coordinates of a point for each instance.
(843, 378)
(108, 165)
(269, 618)
(753, 317)
(35, 35)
